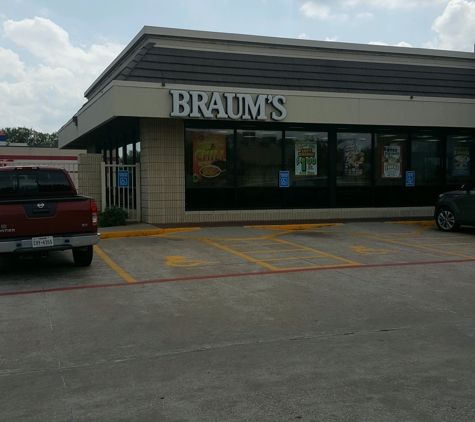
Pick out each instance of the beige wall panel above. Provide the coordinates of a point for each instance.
(96, 113)
(317, 109)
(142, 101)
(67, 133)
(409, 112)
(467, 115)
(152, 101)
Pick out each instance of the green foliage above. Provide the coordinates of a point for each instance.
(113, 216)
(30, 137)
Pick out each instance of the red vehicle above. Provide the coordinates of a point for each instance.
(41, 211)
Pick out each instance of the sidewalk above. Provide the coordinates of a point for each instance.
(145, 229)
(135, 230)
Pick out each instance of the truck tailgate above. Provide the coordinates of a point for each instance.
(46, 216)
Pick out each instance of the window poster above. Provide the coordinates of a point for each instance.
(392, 162)
(306, 158)
(209, 157)
(354, 159)
(461, 165)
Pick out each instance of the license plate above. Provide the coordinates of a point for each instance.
(42, 242)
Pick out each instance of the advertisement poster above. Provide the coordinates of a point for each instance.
(354, 159)
(209, 157)
(392, 163)
(306, 159)
(461, 161)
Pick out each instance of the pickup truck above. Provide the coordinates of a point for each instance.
(41, 211)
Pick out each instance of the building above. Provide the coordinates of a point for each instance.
(233, 127)
(20, 154)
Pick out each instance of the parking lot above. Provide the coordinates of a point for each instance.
(354, 321)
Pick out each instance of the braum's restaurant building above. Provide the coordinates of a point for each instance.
(241, 128)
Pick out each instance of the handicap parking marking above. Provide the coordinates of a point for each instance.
(181, 262)
(371, 251)
(219, 243)
(253, 249)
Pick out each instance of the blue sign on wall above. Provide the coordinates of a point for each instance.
(410, 178)
(284, 179)
(123, 176)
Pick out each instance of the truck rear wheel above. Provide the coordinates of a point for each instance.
(83, 256)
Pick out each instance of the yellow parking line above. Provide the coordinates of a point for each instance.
(294, 258)
(327, 255)
(271, 251)
(126, 276)
(412, 245)
(240, 254)
(276, 242)
(238, 245)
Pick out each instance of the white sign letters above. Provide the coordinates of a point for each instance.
(198, 104)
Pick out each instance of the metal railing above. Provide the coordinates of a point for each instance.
(121, 188)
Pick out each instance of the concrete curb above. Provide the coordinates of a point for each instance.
(155, 232)
(294, 226)
(139, 233)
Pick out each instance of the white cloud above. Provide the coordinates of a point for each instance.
(455, 28)
(318, 10)
(313, 9)
(337, 9)
(364, 16)
(11, 64)
(382, 4)
(304, 36)
(45, 92)
(401, 44)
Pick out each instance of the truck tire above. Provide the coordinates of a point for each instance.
(83, 256)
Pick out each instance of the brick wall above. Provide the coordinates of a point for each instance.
(89, 176)
(162, 151)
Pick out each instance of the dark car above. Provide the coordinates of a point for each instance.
(456, 208)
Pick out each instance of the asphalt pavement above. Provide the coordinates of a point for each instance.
(362, 321)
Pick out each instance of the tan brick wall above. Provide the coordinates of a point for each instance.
(162, 152)
(307, 214)
(89, 176)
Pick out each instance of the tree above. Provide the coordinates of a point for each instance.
(30, 137)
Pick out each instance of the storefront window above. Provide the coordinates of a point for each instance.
(120, 155)
(426, 158)
(306, 158)
(259, 157)
(129, 156)
(460, 158)
(354, 159)
(391, 158)
(137, 152)
(209, 157)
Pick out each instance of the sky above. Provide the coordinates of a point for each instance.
(51, 51)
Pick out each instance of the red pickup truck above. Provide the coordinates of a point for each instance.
(41, 211)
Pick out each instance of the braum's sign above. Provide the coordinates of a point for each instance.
(198, 104)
